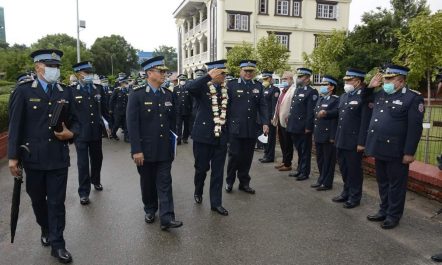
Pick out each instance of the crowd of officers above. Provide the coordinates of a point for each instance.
(223, 116)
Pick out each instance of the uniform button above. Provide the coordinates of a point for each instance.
(50, 103)
(92, 114)
(345, 103)
(248, 117)
(248, 100)
(388, 141)
(386, 101)
(161, 135)
(35, 107)
(326, 129)
(372, 130)
(50, 115)
(159, 105)
(341, 119)
(161, 115)
(316, 125)
(92, 122)
(90, 106)
(204, 123)
(343, 110)
(50, 140)
(249, 109)
(161, 125)
(375, 120)
(49, 128)
(381, 110)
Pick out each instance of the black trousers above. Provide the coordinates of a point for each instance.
(240, 160)
(392, 177)
(303, 145)
(156, 187)
(183, 121)
(350, 165)
(269, 151)
(285, 141)
(119, 122)
(47, 189)
(212, 157)
(88, 152)
(326, 159)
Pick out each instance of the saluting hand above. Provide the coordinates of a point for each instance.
(407, 159)
(360, 148)
(376, 81)
(138, 159)
(13, 167)
(64, 135)
(215, 72)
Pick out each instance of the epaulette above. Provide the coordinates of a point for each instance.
(136, 87)
(415, 91)
(24, 82)
(336, 96)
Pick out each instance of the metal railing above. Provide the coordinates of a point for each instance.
(430, 145)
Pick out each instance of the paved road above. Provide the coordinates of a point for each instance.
(286, 222)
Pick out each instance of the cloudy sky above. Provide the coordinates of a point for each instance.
(145, 24)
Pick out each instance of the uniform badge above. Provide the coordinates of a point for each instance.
(167, 104)
(255, 91)
(324, 105)
(54, 55)
(78, 97)
(354, 102)
(267, 92)
(34, 100)
(397, 102)
(147, 103)
(301, 95)
(239, 91)
(421, 107)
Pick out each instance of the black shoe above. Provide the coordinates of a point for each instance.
(267, 160)
(45, 238)
(198, 198)
(323, 187)
(340, 198)
(98, 187)
(376, 217)
(247, 189)
(315, 185)
(301, 178)
(84, 200)
(229, 188)
(62, 255)
(437, 257)
(389, 224)
(185, 141)
(149, 218)
(171, 224)
(350, 205)
(220, 210)
(295, 174)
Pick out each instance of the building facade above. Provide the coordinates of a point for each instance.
(2, 26)
(207, 29)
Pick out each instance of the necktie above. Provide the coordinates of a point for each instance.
(49, 90)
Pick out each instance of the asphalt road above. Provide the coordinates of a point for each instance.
(285, 222)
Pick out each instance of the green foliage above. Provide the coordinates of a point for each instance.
(170, 56)
(421, 48)
(4, 99)
(113, 50)
(6, 83)
(245, 51)
(14, 61)
(272, 55)
(323, 58)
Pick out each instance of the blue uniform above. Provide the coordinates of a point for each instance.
(354, 116)
(150, 120)
(324, 135)
(183, 112)
(301, 119)
(271, 95)
(395, 130)
(46, 165)
(209, 151)
(246, 102)
(118, 105)
(89, 103)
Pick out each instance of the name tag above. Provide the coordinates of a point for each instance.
(301, 95)
(353, 102)
(255, 91)
(78, 97)
(397, 102)
(239, 91)
(324, 105)
(167, 104)
(267, 92)
(34, 100)
(148, 103)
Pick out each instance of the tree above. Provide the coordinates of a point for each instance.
(170, 56)
(272, 55)
(113, 54)
(244, 51)
(14, 61)
(421, 48)
(323, 58)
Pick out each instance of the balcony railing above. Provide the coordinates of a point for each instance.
(197, 59)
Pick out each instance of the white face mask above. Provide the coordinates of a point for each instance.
(349, 88)
(51, 74)
(88, 79)
(182, 83)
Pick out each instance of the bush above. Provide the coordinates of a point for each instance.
(4, 99)
(6, 89)
(6, 83)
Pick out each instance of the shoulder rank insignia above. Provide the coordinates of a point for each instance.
(415, 91)
(136, 88)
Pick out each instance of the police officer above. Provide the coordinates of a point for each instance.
(209, 133)
(199, 73)
(183, 109)
(324, 133)
(90, 105)
(271, 94)
(46, 164)
(151, 122)
(25, 77)
(354, 117)
(246, 102)
(108, 90)
(393, 136)
(118, 105)
(300, 122)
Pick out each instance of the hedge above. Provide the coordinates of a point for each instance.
(4, 99)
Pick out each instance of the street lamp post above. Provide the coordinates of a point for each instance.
(78, 36)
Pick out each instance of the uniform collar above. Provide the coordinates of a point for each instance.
(43, 84)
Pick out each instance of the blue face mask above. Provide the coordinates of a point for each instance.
(88, 79)
(285, 84)
(389, 88)
(323, 90)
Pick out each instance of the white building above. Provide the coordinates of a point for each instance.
(207, 29)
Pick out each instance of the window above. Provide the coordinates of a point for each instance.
(317, 79)
(296, 8)
(284, 40)
(263, 7)
(318, 38)
(326, 11)
(238, 22)
(282, 7)
(228, 49)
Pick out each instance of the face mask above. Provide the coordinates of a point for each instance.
(349, 88)
(51, 74)
(182, 83)
(266, 83)
(88, 79)
(323, 90)
(389, 88)
(299, 82)
(285, 84)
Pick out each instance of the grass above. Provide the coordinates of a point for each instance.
(434, 143)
